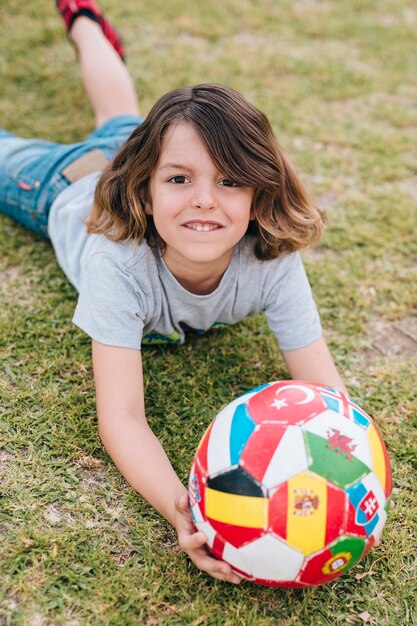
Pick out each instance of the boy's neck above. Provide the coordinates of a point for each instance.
(200, 288)
(199, 280)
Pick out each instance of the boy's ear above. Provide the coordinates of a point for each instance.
(146, 203)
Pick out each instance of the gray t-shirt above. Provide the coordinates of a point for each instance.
(128, 296)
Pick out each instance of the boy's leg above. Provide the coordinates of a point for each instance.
(34, 172)
(107, 81)
(71, 10)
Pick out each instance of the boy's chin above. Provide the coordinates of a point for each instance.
(211, 258)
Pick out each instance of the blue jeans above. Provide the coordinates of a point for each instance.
(31, 170)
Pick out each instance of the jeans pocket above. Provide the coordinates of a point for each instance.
(23, 169)
(22, 159)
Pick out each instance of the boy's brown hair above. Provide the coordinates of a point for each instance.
(242, 145)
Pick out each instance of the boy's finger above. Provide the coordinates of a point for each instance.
(191, 542)
(218, 569)
(212, 566)
(232, 578)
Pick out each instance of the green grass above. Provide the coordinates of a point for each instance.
(338, 81)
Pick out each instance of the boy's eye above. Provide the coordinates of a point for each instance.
(228, 183)
(178, 180)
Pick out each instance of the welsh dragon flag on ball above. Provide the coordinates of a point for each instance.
(291, 484)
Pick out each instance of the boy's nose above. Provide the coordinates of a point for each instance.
(204, 198)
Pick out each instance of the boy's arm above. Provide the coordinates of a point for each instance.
(314, 363)
(137, 452)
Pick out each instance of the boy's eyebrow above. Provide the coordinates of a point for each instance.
(175, 166)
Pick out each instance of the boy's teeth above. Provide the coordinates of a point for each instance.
(203, 227)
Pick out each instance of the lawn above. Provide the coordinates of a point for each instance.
(337, 78)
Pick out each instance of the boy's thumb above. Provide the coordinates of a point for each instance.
(182, 502)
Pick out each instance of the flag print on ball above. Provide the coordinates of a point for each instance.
(291, 484)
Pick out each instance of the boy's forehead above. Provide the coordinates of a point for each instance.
(182, 145)
(180, 133)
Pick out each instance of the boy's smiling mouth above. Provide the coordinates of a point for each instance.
(202, 226)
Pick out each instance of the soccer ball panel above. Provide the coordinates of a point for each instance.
(284, 463)
(358, 416)
(237, 535)
(278, 507)
(342, 436)
(239, 510)
(306, 512)
(260, 448)
(351, 527)
(337, 503)
(333, 560)
(241, 429)
(201, 453)
(269, 454)
(368, 499)
(218, 447)
(234, 558)
(236, 506)
(327, 461)
(196, 491)
(333, 399)
(337, 448)
(236, 481)
(271, 559)
(380, 461)
(339, 402)
(276, 403)
(230, 431)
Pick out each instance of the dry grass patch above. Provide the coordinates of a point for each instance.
(391, 339)
(410, 187)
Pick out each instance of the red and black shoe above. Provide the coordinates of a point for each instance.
(71, 9)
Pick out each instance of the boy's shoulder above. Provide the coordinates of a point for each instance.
(130, 256)
(248, 259)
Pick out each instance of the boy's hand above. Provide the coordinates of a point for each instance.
(193, 543)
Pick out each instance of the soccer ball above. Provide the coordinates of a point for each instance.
(291, 484)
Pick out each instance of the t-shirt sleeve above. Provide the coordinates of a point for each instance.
(289, 305)
(110, 305)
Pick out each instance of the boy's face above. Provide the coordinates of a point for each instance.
(199, 213)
